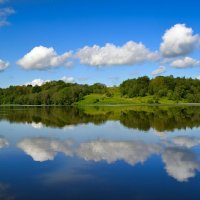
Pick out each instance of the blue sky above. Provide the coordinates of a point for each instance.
(70, 25)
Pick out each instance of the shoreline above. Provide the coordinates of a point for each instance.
(103, 105)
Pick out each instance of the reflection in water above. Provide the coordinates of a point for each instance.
(37, 125)
(162, 118)
(42, 149)
(99, 160)
(186, 141)
(180, 161)
(143, 118)
(131, 152)
(3, 142)
(5, 193)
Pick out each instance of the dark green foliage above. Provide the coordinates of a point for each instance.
(51, 93)
(98, 88)
(173, 88)
(61, 93)
(162, 119)
(135, 87)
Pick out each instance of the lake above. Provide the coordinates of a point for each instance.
(133, 152)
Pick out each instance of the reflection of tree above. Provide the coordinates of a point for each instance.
(142, 118)
(162, 119)
(52, 116)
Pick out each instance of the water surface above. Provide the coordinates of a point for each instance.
(92, 153)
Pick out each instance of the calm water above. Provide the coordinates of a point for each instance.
(99, 153)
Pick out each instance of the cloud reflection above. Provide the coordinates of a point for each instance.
(43, 149)
(3, 142)
(186, 141)
(181, 164)
(37, 125)
(180, 161)
(131, 152)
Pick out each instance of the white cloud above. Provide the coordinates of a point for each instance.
(3, 65)
(178, 40)
(4, 14)
(159, 71)
(43, 149)
(131, 53)
(38, 82)
(185, 63)
(180, 163)
(42, 57)
(131, 152)
(67, 79)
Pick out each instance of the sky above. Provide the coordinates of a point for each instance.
(89, 41)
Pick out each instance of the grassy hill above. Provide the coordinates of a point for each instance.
(116, 98)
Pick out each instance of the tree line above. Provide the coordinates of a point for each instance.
(61, 93)
(51, 93)
(176, 89)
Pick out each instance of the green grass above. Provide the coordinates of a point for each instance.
(102, 99)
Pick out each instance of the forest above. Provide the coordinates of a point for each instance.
(51, 93)
(176, 89)
(163, 86)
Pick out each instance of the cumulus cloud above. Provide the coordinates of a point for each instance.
(67, 79)
(185, 63)
(178, 40)
(180, 163)
(43, 149)
(38, 82)
(159, 71)
(3, 142)
(3, 65)
(42, 58)
(4, 14)
(131, 53)
(131, 152)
